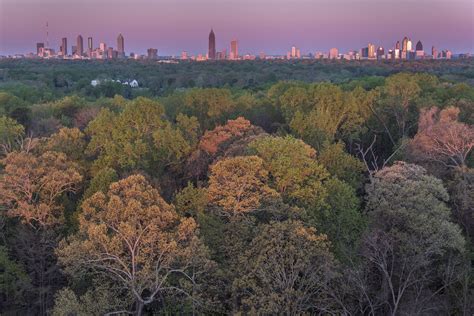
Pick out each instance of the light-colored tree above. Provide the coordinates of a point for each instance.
(133, 237)
(441, 138)
(239, 185)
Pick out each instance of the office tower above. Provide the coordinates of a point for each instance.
(212, 45)
(261, 55)
(293, 52)
(120, 46)
(64, 46)
(152, 53)
(73, 50)
(234, 50)
(102, 47)
(333, 53)
(405, 44)
(298, 53)
(184, 55)
(380, 52)
(434, 52)
(409, 46)
(371, 51)
(397, 45)
(90, 47)
(419, 50)
(364, 52)
(39, 47)
(79, 46)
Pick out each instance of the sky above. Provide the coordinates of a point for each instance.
(271, 26)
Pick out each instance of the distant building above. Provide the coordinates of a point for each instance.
(380, 52)
(333, 53)
(120, 46)
(434, 52)
(152, 53)
(262, 55)
(234, 49)
(79, 46)
(102, 47)
(420, 53)
(64, 46)
(39, 48)
(371, 51)
(90, 47)
(212, 45)
(184, 55)
(222, 55)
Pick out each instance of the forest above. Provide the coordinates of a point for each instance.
(248, 188)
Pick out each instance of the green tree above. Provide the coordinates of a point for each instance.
(287, 269)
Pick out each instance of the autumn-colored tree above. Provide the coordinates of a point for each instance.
(230, 139)
(286, 269)
(31, 187)
(239, 185)
(133, 237)
(441, 138)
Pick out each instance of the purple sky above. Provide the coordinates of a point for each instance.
(272, 26)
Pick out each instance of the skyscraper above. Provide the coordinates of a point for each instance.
(64, 46)
(39, 47)
(405, 44)
(90, 47)
(371, 51)
(79, 46)
(120, 46)
(212, 45)
(434, 52)
(234, 50)
(333, 53)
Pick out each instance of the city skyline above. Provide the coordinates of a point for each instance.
(178, 25)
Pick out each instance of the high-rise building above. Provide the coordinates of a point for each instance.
(212, 45)
(90, 47)
(405, 44)
(64, 46)
(333, 53)
(39, 47)
(397, 45)
(120, 46)
(79, 46)
(434, 52)
(234, 50)
(152, 53)
(371, 51)
(184, 55)
(409, 45)
(380, 52)
(102, 47)
(419, 50)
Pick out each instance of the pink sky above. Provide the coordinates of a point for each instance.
(272, 26)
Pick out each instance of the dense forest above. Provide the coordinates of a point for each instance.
(309, 187)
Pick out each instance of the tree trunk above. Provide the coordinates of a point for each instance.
(139, 308)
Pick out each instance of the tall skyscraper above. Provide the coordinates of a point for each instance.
(152, 53)
(64, 46)
(234, 50)
(409, 45)
(39, 47)
(212, 45)
(405, 44)
(371, 51)
(79, 46)
(333, 53)
(90, 47)
(434, 52)
(120, 46)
